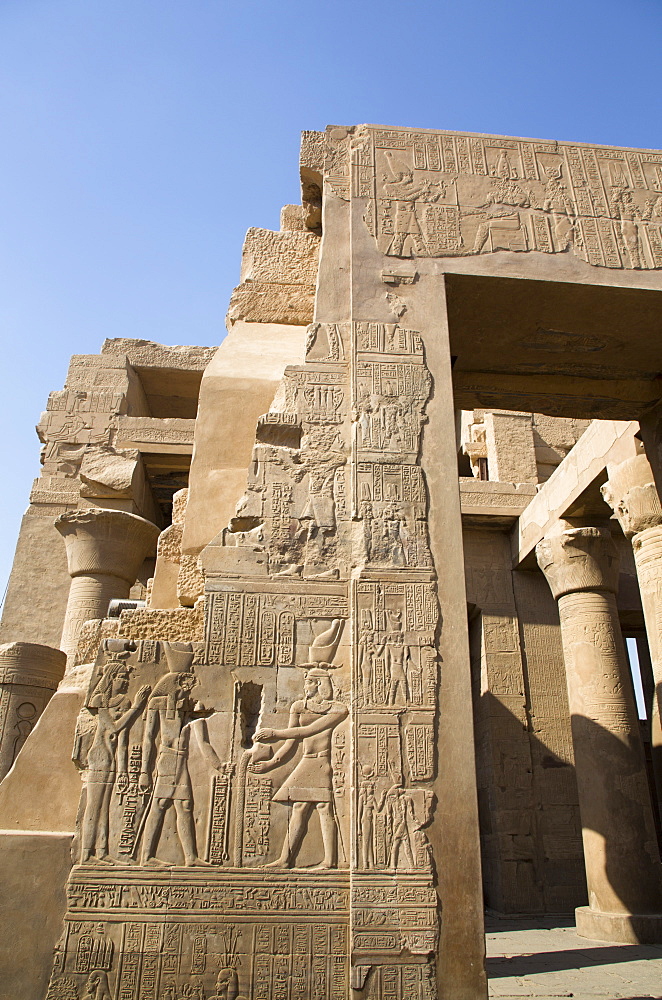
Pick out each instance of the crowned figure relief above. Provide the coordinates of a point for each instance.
(312, 721)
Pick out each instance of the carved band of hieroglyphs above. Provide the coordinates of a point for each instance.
(387, 338)
(241, 630)
(219, 816)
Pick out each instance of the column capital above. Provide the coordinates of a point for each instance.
(110, 542)
(632, 495)
(31, 663)
(576, 559)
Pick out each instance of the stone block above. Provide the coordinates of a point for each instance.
(33, 870)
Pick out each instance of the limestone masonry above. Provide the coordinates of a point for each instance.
(314, 644)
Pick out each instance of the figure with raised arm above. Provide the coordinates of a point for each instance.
(172, 714)
(107, 756)
(310, 785)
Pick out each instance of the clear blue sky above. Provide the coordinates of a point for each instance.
(141, 138)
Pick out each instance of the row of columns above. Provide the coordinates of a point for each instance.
(621, 849)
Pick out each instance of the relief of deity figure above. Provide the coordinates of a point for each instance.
(397, 658)
(171, 713)
(397, 810)
(365, 407)
(366, 654)
(107, 757)
(499, 210)
(311, 724)
(366, 810)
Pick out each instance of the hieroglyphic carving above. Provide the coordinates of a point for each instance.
(257, 818)
(267, 913)
(247, 629)
(445, 194)
(312, 721)
(219, 816)
(394, 601)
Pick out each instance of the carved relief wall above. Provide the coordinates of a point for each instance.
(254, 816)
(439, 195)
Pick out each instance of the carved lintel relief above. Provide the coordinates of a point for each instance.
(440, 194)
(255, 807)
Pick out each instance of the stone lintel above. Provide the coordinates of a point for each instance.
(484, 499)
(603, 442)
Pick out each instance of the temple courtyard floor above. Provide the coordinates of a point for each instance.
(544, 958)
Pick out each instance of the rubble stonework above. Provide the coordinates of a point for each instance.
(342, 685)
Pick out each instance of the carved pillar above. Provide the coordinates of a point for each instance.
(620, 846)
(105, 549)
(632, 494)
(29, 674)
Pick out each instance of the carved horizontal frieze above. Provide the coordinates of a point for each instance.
(431, 194)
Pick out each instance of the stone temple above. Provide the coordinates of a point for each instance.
(314, 644)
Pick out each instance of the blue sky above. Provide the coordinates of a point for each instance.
(141, 138)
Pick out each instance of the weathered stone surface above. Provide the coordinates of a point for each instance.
(238, 385)
(279, 779)
(108, 473)
(278, 275)
(29, 674)
(263, 302)
(179, 624)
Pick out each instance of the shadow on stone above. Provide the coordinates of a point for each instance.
(557, 961)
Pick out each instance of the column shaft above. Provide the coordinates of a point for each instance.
(620, 845)
(89, 597)
(29, 674)
(647, 546)
(621, 852)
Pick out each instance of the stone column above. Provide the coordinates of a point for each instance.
(621, 853)
(632, 494)
(105, 550)
(29, 674)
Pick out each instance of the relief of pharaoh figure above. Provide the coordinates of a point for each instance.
(310, 785)
(170, 714)
(107, 756)
(96, 987)
(405, 192)
(227, 985)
